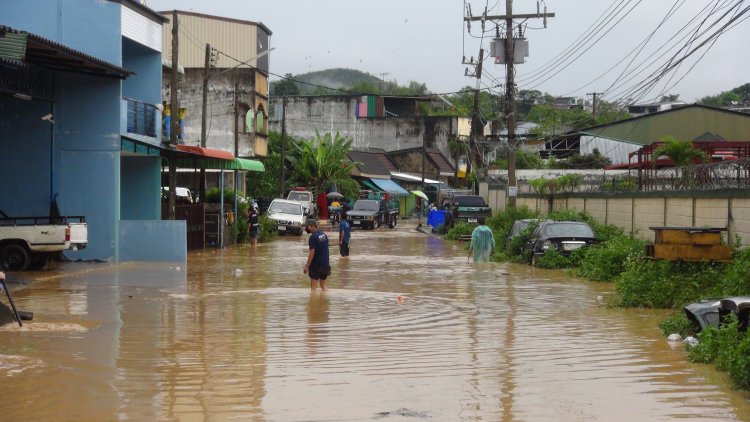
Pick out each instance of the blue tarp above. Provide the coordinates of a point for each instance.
(436, 217)
(390, 186)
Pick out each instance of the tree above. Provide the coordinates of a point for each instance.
(266, 184)
(682, 154)
(323, 161)
(285, 86)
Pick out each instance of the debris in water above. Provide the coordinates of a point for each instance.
(407, 413)
(600, 298)
(674, 337)
(400, 299)
(238, 272)
(690, 341)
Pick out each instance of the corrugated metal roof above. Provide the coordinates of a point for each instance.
(53, 55)
(373, 163)
(13, 46)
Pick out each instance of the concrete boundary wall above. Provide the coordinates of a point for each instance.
(636, 212)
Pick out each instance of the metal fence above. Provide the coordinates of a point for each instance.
(713, 176)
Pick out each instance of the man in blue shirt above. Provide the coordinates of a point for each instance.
(345, 234)
(317, 266)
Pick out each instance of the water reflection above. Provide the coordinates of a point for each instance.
(497, 342)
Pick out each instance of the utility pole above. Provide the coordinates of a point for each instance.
(593, 105)
(236, 142)
(206, 68)
(282, 182)
(477, 130)
(510, 88)
(174, 110)
(382, 80)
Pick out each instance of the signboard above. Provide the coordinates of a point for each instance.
(512, 190)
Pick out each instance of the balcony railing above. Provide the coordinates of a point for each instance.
(141, 118)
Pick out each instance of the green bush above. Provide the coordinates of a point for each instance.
(239, 230)
(678, 323)
(736, 279)
(605, 261)
(553, 259)
(665, 284)
(459, 230)
(728, 349)
(267, 229)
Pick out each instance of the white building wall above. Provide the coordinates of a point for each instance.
(617, 151)
(140, 29)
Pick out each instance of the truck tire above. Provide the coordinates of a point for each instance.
(393, 222)
(39, 261)
(14, 257)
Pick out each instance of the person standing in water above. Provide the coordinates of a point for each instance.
(318, 266)
(253, 225)
(482, 242)
(345, 235)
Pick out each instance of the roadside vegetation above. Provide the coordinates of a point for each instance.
(641, 282)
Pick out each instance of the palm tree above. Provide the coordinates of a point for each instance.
(323, 161)
(681, 153)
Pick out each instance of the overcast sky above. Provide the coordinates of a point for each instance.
(424, 40)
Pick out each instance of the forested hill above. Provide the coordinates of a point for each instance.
(346, 79)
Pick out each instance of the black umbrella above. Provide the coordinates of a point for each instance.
(334, 195)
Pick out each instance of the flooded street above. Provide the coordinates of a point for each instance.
(209, 342)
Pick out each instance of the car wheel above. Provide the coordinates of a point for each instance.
(299, 233)
(376, 224)
(14, 257)
(39, 261)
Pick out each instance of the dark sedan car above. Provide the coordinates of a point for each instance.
(561, 236)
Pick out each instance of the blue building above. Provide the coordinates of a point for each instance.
(80, 122)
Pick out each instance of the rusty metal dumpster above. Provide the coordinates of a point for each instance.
(689, 244)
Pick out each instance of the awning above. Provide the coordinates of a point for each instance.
(416, 179)
(22, 46)
(247, 165)
(387, 185)
(206, 152)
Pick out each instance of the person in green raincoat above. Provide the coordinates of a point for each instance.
(482, 242)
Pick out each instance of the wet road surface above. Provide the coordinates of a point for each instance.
(209, 342)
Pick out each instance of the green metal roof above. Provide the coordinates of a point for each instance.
(684, 123)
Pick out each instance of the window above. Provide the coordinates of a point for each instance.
(260, 121)
(249, 114)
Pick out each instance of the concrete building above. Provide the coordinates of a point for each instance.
(234, 42)
(80, 82)
(387, 122)
(637, 110)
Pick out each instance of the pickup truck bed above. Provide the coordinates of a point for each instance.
(31, 241)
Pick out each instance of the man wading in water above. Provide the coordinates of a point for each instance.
(317, 266)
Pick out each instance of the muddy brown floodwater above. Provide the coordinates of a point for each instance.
(208, 342)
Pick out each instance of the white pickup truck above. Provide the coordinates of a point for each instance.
(29, 242)
(305, 198)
